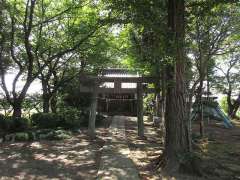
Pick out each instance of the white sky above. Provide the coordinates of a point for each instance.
(35, 86)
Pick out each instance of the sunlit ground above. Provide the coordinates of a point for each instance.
(79, 157)
(75, 158)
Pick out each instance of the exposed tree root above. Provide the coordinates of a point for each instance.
(188, 166)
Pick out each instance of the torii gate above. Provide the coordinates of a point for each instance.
(93, 87)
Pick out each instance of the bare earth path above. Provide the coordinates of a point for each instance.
(115, 160)
(76, 158)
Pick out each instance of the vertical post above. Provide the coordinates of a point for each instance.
(140, 109)
(93, 109)
(117, 86)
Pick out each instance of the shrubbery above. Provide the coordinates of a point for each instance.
(22, 136)
(11, 124)
(46, 120)
(49, 134)
(70, 117)
(41, 134)
(67, 118)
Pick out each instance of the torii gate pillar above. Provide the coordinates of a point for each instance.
(140, 110)
(93, 110)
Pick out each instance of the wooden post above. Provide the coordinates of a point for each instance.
(92, 115)
(140, 110)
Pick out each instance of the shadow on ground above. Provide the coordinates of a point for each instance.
(75, 158)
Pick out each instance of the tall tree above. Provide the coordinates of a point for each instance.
(20, 52)
(227, 80)
(209, 28)
(33, 25)
(177, 140)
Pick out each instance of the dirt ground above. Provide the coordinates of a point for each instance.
(144, 151)
(219, 151)
(79, 157)
(75, 158)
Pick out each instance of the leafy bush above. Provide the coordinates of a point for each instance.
(42, 134)
(46, 120)
(71, 117)
(148, 103)
(11, 124)
(21, 136)
(21, 124)
(49, 134)
(2, 122)
(67, 118)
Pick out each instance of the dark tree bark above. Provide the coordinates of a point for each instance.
(53, 103)
(200, 105)
(17, 108)
(46, 104)
(234, 108)
(177, 139)
(45, 96)
(229, 102)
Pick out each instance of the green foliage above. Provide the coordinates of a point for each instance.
(71, 117)
(46, 120)
(2, 122)
(1, 117)
(224, 105)
(21, 124)
(32, 102)
(148, 103)
(67, 117)
(4, 106)
(49, 134)
(75, 99)
(11, 124)
(22, 136)
(42, 134)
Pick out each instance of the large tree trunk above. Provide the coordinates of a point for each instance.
(53, 102)
(92, 114)
(229, 102)
(163, 92)
(45, 96)
(200, 104)
(235, 107)
(17, 108)
(176, 122)
(46, 103)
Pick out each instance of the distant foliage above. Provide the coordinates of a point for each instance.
(148, 103)
(224, 104)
